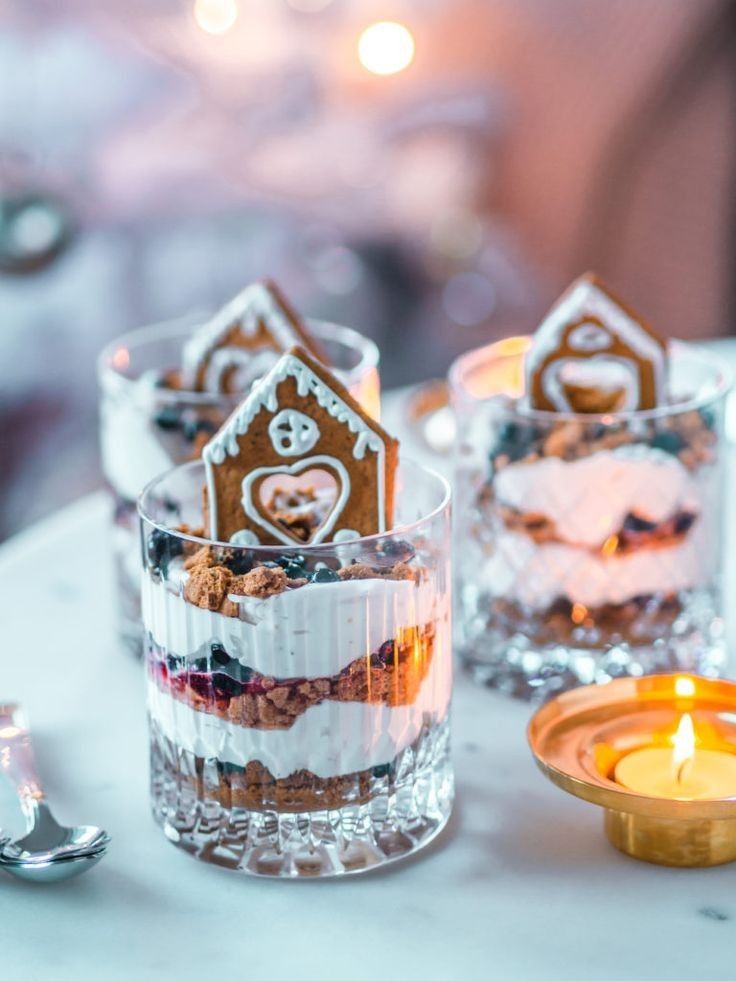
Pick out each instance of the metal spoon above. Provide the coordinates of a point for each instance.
(49, 851)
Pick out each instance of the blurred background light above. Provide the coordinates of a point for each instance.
(215, 16)
(386, 48)
(469, 298)
(309, 6)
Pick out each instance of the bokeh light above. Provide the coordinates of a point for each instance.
(215, 16)
(469, 299)
(386, 48)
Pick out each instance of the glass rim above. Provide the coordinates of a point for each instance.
(303, 547)
(369, 355)
(683, 350)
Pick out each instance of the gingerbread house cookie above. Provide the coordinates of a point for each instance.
(243, 340)
(593, 354)
(299, 461)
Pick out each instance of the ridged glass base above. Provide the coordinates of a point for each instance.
(403, 807)
(514, 663)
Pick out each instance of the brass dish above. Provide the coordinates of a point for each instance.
(578, 738)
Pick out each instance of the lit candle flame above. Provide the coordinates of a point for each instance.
(386, 48)
(683, 746)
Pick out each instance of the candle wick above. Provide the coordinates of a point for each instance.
(681, 770)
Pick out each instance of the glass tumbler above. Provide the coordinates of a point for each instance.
(298, 698)
(587, 546)
(146, 429)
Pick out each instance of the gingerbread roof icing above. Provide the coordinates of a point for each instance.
(592, 353)
(245, 336)
(300, 439)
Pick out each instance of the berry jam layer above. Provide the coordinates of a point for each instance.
(220, 685)
(635, 532)
(255, 788)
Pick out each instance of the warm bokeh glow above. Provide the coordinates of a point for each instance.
(215, 16)
(684, 687)
(386, 48)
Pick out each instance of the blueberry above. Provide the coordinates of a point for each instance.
(237, 560)
(191, 428)
(386, 653)
(160, 549)
(325, 575)
(168, 418)
(384, 770)
(294, 570)
(219, 654)
(287, 560)
(684, 522)
(634, 523)
(709, 418)
(514, 440)
(668, 441)
(223, 684)
(229, 768)
(174, 663)
(241, 673)
(200, 665)
(395, 550)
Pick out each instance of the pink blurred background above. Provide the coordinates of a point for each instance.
(155, 156)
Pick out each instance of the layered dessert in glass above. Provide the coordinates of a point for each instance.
(166, 389)
(299, 668)
(590, 530)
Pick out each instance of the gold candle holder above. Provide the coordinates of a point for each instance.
(579, 737)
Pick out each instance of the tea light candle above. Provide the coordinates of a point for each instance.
(683, 810)
(680, 773)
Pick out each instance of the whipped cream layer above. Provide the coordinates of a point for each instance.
(133, 452)
(329, 739)
(312, 631)
(588, 499)
(538, 574)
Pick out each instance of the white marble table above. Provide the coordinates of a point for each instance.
(522, 885)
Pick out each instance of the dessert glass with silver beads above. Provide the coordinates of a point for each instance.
(588, 547)
(148, 425)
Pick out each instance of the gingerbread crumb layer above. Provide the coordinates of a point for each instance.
(254, 787)
(210, 582)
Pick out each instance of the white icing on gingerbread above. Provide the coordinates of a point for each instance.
(256, 304)
(293, 433)
(345, 535)
(245, 537)
(247, 367)
(586, 332)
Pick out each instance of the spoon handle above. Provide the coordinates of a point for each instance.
(16, 756)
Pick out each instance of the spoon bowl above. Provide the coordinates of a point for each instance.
(49, 851)
(50, 841)
(53, 870)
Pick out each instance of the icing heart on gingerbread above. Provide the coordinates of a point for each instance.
(298, 462)
(592, 354)
(304, 501)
